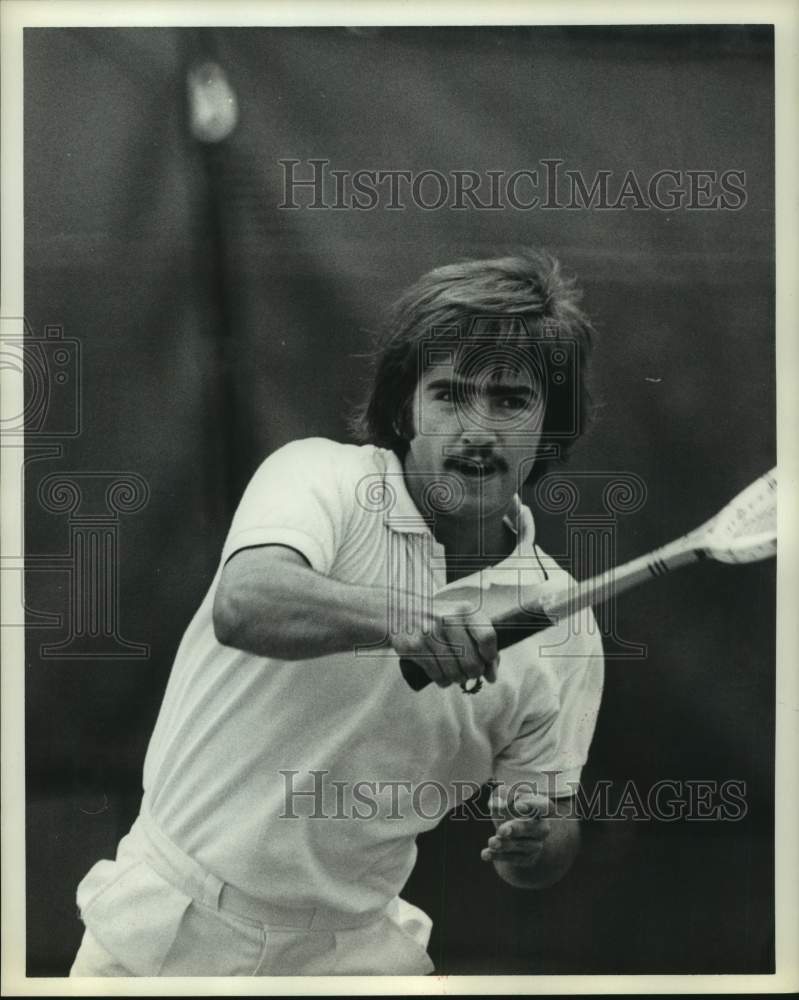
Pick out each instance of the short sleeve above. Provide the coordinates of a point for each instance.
(296, 498)
(550, 755)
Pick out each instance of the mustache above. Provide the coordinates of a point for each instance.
(471, 459)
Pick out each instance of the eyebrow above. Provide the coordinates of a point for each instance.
(492, 389)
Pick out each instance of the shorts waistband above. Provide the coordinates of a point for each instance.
(187, 875)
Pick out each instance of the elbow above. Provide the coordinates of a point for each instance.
(239, 626)
(226, 620)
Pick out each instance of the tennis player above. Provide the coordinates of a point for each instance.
(292, 767)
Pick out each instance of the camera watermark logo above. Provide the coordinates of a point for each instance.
(48, 368)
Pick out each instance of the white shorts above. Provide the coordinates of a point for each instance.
(155, 912)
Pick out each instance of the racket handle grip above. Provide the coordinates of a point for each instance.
(415, 677)
(510, 630)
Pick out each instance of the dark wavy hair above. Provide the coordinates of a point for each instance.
(525, 302)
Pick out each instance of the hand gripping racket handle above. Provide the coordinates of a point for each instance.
(743, 531)
(510, 629)
(519, 622)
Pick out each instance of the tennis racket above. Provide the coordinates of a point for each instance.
(742, 532)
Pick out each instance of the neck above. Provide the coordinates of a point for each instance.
(478, 537)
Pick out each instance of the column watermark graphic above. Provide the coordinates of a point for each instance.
(591, 543)
(93, 503)
(42, 413)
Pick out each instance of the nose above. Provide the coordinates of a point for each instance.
(479, 438)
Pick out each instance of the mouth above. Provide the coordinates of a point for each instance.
(474, 468)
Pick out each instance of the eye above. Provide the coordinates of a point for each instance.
(443, 395)
(514, 402)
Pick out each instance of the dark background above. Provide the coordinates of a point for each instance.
(214, 327)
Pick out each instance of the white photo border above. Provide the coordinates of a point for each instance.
(784, 15)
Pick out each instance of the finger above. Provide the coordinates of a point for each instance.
(486, 639)
(483, 639)
(428, 661)
(450, 660)
(532, 807)
(470, 659)
(467, 662)
(516, 857)
(442, 667)
(522, 829)
(527, 848)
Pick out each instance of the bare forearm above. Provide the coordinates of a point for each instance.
(291, 612)
(557, 855)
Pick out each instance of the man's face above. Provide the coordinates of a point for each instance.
(476, 433)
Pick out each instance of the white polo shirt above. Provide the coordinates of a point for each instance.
(240, 738)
